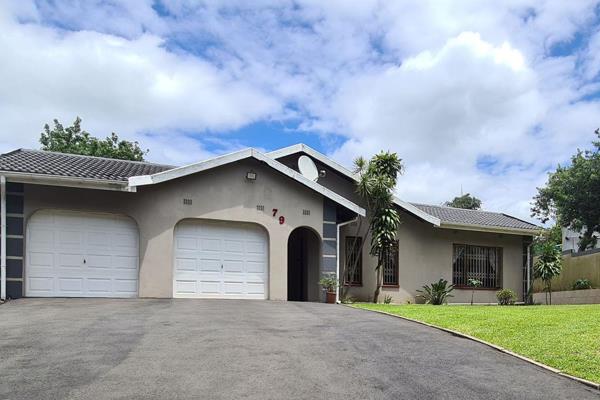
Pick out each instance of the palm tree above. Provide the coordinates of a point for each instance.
(377, 179)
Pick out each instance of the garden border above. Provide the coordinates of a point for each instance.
(591, 384)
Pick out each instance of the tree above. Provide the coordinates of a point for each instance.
(548, 266)
(377, 179)
(465, 201)
(572, 195)
(551, 235)
(73, 140)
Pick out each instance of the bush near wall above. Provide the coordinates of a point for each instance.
(575, 266)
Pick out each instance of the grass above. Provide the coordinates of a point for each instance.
(564, 337)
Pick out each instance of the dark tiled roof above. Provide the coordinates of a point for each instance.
(452, 215)
(77, 166)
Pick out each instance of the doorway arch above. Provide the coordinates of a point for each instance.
(304, 255)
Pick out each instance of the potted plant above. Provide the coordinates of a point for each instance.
(329, 282)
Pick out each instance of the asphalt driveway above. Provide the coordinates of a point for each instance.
(227, 349)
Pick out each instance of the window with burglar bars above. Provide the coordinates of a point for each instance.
(353, 260)
(390, 267)
(477, 262)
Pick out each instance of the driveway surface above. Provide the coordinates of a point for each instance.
(228, 349)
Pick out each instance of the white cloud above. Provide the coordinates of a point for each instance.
(445, 84)
(130, 86)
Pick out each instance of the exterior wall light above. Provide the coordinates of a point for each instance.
(251, 175)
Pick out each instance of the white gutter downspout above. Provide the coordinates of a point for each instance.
(528, 271)
(337, 252)
(3, 239)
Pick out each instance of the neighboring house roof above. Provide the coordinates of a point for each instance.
(240, 155)
(451, 217)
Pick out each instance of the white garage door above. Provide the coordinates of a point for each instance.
(222, 260)
(76, 254)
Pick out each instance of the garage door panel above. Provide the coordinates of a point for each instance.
(124, 262)
(233, 266)
(98, 285)
(231, 261)
(41, 238)
(73, 285)
(99, 261)
(69, 260)
(126, 286)
(210, 245)
(41, 284)
(185, 264)
(186, 243)
(209, 265)
(81, 254)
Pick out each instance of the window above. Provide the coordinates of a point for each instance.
(477, 262)
(353, 260)
(390, 267)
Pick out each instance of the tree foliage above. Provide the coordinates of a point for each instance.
(572, 195)
(74, 140)
(548, 266)
(377, 179)
(552, 235)
(465, 201)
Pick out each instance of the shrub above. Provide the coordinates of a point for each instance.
(387, 299)
(437, 293)
(582, 284)
(506, 297)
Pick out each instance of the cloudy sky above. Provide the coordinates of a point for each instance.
(484, 95)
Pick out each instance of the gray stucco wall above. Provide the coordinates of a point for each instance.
(219, 194)
(425, 256)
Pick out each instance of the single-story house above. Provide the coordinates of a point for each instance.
(245, 225)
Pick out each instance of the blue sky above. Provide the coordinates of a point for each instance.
(487, 96)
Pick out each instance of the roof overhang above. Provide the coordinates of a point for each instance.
(435, 221)
(490, 229)
(67, 181)
(175, 173)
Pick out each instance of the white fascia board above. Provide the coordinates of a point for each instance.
(302, 148)
(435, 221)
(236, 156)
(189, 169)
(67, 181)
(490, 229)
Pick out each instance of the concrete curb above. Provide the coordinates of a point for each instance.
(591, 384)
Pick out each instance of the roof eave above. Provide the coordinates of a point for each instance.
(237, 156)
(67, 181)
(490, 229)
(435, 221)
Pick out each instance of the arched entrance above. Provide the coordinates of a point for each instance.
(304, 253)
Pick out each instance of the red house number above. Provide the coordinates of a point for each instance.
(281, 217)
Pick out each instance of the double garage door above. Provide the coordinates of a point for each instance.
(76, 254)
(220, 260)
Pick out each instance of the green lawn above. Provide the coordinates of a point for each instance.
(564, 337)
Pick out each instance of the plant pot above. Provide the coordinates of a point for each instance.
(330, 297)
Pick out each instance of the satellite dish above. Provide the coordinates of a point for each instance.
(307, 167)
